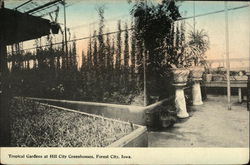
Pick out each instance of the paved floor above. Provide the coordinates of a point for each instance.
(209, 125)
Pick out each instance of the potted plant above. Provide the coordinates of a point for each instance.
(180, 61)
(198, 45)
(219, 74)
(167, 116)
(208, 75)
(180, 78)
(180, 75)
(241, 75)
(196, 72)
(179, 54)
(55, 27)
(152, 25)
(164, 45)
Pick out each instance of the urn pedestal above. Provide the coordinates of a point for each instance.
(180, 80)
(180, 102)
(196, 93)
(196, 74)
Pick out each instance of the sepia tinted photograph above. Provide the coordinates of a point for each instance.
(124, 73)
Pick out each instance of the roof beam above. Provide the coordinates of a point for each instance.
(214, 12)
(43, 6)
(22, 4)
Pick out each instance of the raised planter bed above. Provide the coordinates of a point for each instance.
(37, 124)
(135, 114)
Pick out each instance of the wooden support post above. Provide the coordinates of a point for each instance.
(227, 58)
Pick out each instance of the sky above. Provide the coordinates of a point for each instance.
(82, 19)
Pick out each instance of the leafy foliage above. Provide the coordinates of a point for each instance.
(112, 67)
(198, 44)
(153, 26)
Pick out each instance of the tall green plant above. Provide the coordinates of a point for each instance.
(95, 50)
(133, 50)
(126, 47)
(198, 45)
(118, 46)
(108, 53)
(101, 46)
(74, 58)
(89, 53)
(153, 24)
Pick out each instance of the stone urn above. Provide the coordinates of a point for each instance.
(197, 72)
(180, 75)
(180, 80)
(196, 75)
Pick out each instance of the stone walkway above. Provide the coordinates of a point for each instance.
(209, 125)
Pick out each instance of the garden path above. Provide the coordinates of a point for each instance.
(209, 125)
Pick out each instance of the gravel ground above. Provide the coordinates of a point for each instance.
(39, 125)
(209, 125)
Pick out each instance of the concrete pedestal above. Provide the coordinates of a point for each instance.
(180, 102)
(196, 92)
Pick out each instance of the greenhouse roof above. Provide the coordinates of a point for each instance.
(17, 27)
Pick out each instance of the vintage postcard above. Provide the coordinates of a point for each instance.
(124, 82)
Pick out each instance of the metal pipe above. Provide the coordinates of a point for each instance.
(65, 32)
(227, 58)
(43, 6)
(145, 78)
(82, 38)
(194, 15)
(144, 68)
(22, 4)
(214, 12)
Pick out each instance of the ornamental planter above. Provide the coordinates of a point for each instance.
(180, 75)
(180, 81)
(196, 74)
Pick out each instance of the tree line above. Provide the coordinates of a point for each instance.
(111, 68)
